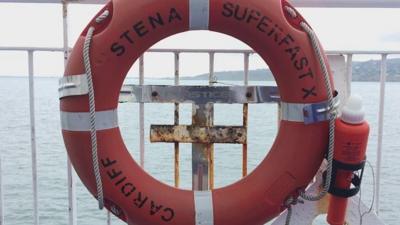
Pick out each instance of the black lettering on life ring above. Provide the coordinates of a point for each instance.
(154, 208)
(169, 214)
(128, 189)
(228, 9)
(120, 181)
(301, 64)
(118, 49)
(174, 15)
(254, 15)
(263, 24)
(140, 200)
(108, 162)
(308, 74)
(288, 39)
(276, 32)
(309, 92)
(237, 13)
(156, 21)
(293, 52)
(142, 28)
(127, 37)
(112, 174)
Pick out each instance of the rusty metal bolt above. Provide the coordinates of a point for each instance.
(249, 95)
(154, 93)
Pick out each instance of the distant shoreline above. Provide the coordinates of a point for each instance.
(364, 71)
(191, 79)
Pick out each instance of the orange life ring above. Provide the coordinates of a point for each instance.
(133, 195)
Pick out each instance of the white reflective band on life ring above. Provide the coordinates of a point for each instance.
(204, 208)
(199, 13)
(73, 121)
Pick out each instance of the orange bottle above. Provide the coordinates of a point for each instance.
(351, 138)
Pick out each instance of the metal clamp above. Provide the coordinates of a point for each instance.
(73, 86)
(199, 94)
(308, 113)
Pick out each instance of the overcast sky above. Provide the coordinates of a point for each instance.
(41, 25)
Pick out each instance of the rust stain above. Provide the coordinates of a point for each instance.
(244, 147)
(198, 134)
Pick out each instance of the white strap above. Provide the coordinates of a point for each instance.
(73, 86)
(204, 208)
(308, 113)
(199, 12)
(80, 121)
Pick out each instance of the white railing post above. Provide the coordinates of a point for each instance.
(1, 192)
(33, 138)
(349, 72)
(380, 130)
(108, 218)
(72, 212)
(141, 112)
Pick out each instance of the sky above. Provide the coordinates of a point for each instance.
(40, 25)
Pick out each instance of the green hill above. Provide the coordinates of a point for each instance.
(362, 71)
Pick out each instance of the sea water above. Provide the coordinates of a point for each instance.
(52, 158)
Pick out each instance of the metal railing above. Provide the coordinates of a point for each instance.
(176, 53)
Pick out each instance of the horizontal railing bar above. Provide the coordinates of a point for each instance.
(297, 3)
(233, 51)
(243, 51)
(227, 51)
(94, 2)
(347, 3)
(33, 49)
(362, 52)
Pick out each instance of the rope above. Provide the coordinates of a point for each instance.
(332, 116)
(317, 49)
(289, 203)
(373, 197)
(92, 108)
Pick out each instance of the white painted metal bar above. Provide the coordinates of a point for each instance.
(216, 51)
(297, 3)
(65, 48)
(243, 51)
(211, 67)
(246, 68)
(141, 112)
(71, 182)
(347, 3)
(349, 72)
(56, 1)
(34, 49)
(108, 217)
(1, 192)
(380, 130)
(33, 138)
